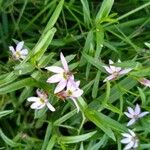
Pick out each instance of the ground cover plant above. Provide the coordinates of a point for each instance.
(75, 74)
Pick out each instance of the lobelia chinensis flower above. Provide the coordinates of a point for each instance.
(72, 92)
(41, 101)
(63, 75)
(19, 52)
(130, 140)
(115, 71)
(145, 82)
(135, 114)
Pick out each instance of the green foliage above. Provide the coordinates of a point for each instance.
(89, 33)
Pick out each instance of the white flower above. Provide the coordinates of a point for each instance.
(73, 91)
(135, 114)
(130, 140)
(115, 71)
(62, 75)
(19, 52)
(41, 101)
(145, 82)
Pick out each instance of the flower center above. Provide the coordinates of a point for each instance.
(65, 75)
(17, 54)
(42, 100)
(69, 93)
(115, 73)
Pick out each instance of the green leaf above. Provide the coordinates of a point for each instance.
(17, 85)
(51, 143)
(141, 73)
(4, 113)
(104, 10)
(99, 122)
(86, 12)
(46, 139)
(96, 84)
(64, 118)
(7, 78)
(23, 69)
(54, 16)
(94, 62)
(76, 139)
(7, 140)
(142, 95)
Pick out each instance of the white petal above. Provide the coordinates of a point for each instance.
(55, 78)
(125, 71)
(41, 106)
(19, 46)
(77, 93)
(126, 135)
(64, 62)
(24, 52)
(143, 114)
(119, 61)
(131, 132)
(60, 86)
(118, 69)
(131, 111)
(145, 82)
(137, 109)
(37, 105)
(108, 69)
(132, 121)
(126, 140)
(129, 146)
(135, 144)
(111, 77)
(111, 62)
(50, 106)
(11, 48)
(55, 69)
(78, 84)
(128, 115)
(33, 99)
(76, 104)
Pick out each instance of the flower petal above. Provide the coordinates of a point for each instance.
(76, 104)
(128, 115)
(136, 144)
(11, 48)
(137, 109)
(126, 135)
(55, 69)
(108, 69)
(33, 99)
(131, 111)
(55, 78)
(50, 106)
(131, 132)
(19, 46)
(111, 77)
(24, 52)
(132, 121)
(145, 82)
(129, 146)
(64, 62)
(37, 105)
(125, 71)
(60, 86)
(126, 140)
(143, 114)
(77, 93)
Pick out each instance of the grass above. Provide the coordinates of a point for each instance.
(89, 33)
